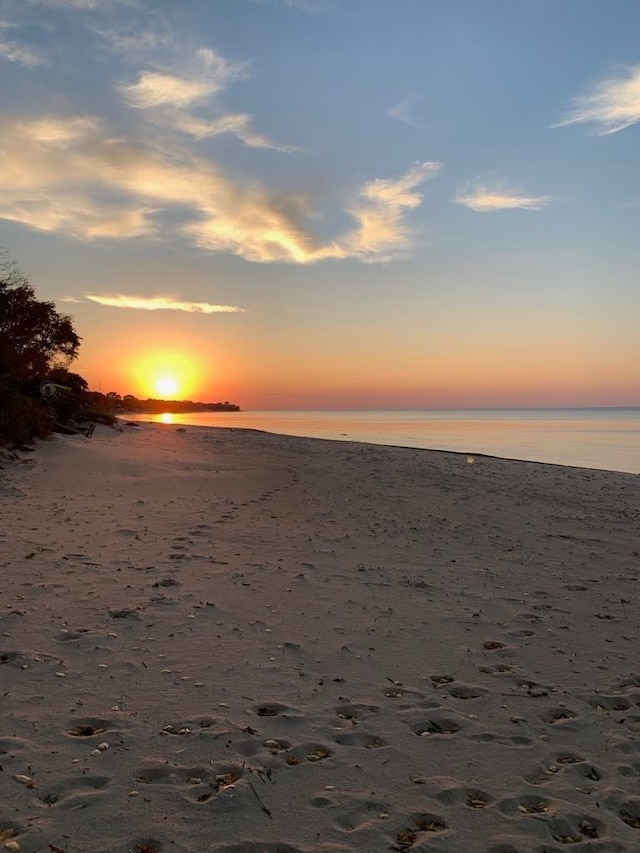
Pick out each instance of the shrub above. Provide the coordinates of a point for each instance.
(21, 420)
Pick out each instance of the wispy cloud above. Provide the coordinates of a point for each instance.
(612, 106)
(380, 211)
(484, 198)
(160, 303)
(211, 74)
(23, 54)
(172, 98)
(60, 132)
(311, 6)
(70, 175)
(402, 111)
(84, 5)
(134, 42)
(237, 124)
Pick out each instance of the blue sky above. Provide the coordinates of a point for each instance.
(308, 203)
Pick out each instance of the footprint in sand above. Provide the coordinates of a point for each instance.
(589, 772)
(361, 739)
(422, 823)
(521, 741)
(610, 703)
(257, 847)
(441, 680)
(569, 758)
(10, 831)
(24, 660)
(626, 770)
(525, 804)
(496, 669)
(71, 636)
(312, 751)
(560, 714)
(87, 727)
(273, 709)
(356, 712)
(436, 725)
(473, 798)
(196, 784)
(276, 745)
(466, 691)
(10, 747)
(625, 808)
(76, 792)
(351, 812)
(573, 829)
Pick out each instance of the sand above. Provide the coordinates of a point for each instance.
(230, 641)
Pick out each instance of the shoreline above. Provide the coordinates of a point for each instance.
(347, 440)
(599, 443)
(292, 644)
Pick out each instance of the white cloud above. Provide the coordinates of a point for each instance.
(613, 105)
(169, 97)
(380, 211)
(23, 54)
(211, 74)
(134, 43)
(483, 198)
(402, 111)
(154, 90)
(68, 175)
(311, 6)
(83, 5)
(160, 303)
(238, 124)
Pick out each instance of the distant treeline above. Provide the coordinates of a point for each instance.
(129, 403)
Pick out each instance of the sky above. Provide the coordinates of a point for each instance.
(331, 204)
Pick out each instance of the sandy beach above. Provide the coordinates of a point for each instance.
(237, 642)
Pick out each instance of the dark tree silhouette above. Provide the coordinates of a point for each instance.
(34, 341)
(34, 337)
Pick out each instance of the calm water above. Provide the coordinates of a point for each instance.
(608, 439)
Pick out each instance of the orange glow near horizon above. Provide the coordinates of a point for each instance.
(167, 374)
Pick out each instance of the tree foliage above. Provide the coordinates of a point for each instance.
(35, 341)
(34, 336)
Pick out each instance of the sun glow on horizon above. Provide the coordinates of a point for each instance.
(167, 375)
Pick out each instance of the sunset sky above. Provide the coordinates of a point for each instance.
(299, 204)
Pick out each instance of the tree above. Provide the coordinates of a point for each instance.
(34, 337)
(35, 340)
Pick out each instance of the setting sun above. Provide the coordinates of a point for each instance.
(167, 386)
(166, 374)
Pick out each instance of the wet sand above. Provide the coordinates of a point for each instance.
(230, 641)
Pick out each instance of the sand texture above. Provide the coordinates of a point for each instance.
(229, 641)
